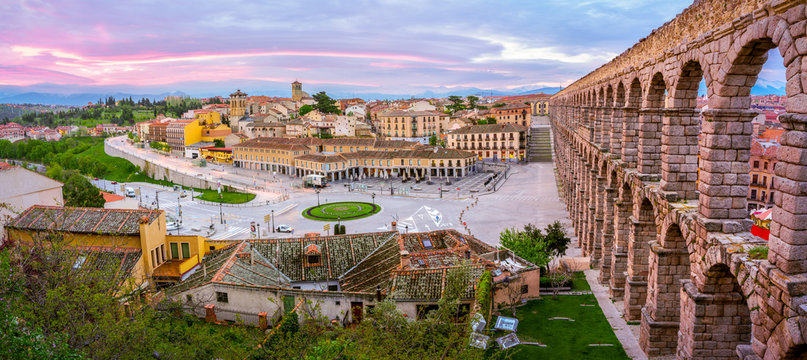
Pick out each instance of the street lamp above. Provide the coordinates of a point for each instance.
(259, 231)
(317, 190)
(373, 196)
(273, 220)
(221, 212)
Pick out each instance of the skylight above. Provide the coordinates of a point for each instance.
(427, 243)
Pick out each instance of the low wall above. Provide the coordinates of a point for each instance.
(159, 172)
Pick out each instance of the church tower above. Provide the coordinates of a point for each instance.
(296, 91)
(238, 108)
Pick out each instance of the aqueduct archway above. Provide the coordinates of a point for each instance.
(657, 189)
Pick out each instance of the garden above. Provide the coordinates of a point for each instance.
(347, 210)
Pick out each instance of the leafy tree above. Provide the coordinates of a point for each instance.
(325, 104)
(433, 140)
(218, 143)
(472, 101)
(534, 246)
(305, 109)
(490, 120)
(79, 192)
(527, 245)
(483, 293)
(457, 103)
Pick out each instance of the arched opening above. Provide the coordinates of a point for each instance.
(680, 129)
(630, 125)
(610, 194)
(619, 258)
(650, 126)
(607, 119)
(616, 120)
(642, 232)
(715, 319)
(669, 264)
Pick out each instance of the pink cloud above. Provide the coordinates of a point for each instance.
(390, 65)
(21, 75)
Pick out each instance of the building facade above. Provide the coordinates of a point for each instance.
(415, 125)
(513, 113)
(496, 142)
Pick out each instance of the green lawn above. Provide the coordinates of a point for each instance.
(565, 339)
(122, 170)
(346, 210)
(226, 197)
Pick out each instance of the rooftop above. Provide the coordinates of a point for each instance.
(83, 220)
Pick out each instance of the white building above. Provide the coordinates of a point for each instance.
(20, 189)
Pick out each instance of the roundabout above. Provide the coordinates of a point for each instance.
(347, 210)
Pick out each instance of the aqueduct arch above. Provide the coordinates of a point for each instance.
(657, 189)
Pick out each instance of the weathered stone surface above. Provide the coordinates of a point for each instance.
(666, 218)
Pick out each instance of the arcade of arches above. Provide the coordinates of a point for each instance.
(656, 189)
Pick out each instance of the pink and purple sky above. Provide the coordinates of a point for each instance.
(393, 47)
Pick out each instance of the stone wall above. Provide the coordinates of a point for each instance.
(657, 189)
(160, 172)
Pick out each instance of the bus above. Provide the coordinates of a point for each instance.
(315, 180)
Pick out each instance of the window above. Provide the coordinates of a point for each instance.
(333, 288)
(525, 289)
(313, 260)
(755, 179)
(753, 194)
(765, 165)
(186, 250)
(221, 297)
(756, 164)
(427, 243)
(174, 250)
(764, 181)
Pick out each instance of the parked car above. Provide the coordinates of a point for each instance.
(284, 228)
(130, 192)
(172, 224)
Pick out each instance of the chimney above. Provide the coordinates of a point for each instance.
(378, 293)
(467, 254)
(404, 259)
(204, 270)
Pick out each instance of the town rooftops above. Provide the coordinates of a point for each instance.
(489, 128)
(513, 105)
(83, 220)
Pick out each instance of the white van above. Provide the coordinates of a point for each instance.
(130, 192)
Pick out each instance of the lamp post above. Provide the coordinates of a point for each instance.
(317, 190)
(373, 196)
(221, 212)
(273, 220)
(259, 231)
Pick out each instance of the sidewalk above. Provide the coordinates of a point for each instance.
(621, 329)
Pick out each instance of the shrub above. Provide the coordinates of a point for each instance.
(342, 229)
(483, 296)
(758, 252)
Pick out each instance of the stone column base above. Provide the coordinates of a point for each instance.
(635, 298)
(657, 337)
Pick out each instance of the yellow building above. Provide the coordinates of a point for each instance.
(219, 155)
(135, 239)
(181, 133)
(207, 117)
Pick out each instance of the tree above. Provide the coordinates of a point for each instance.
(79, 192)
(556, 239)
(433, 140)
(472, 101)
(490, 120)
(457, 103)
(218, 143)
(305, 109)
(325, 104)
(527, 245)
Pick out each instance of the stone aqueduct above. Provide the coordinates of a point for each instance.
(657, 189)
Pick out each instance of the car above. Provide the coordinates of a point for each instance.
(114, 183)
(172, 225)
(96, 179)
(284, 228)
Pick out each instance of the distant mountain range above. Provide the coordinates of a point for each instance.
(59, 95)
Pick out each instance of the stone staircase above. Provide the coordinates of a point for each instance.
(539, 145)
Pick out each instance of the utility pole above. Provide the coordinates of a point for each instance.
(273, 220)
(221, 212)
